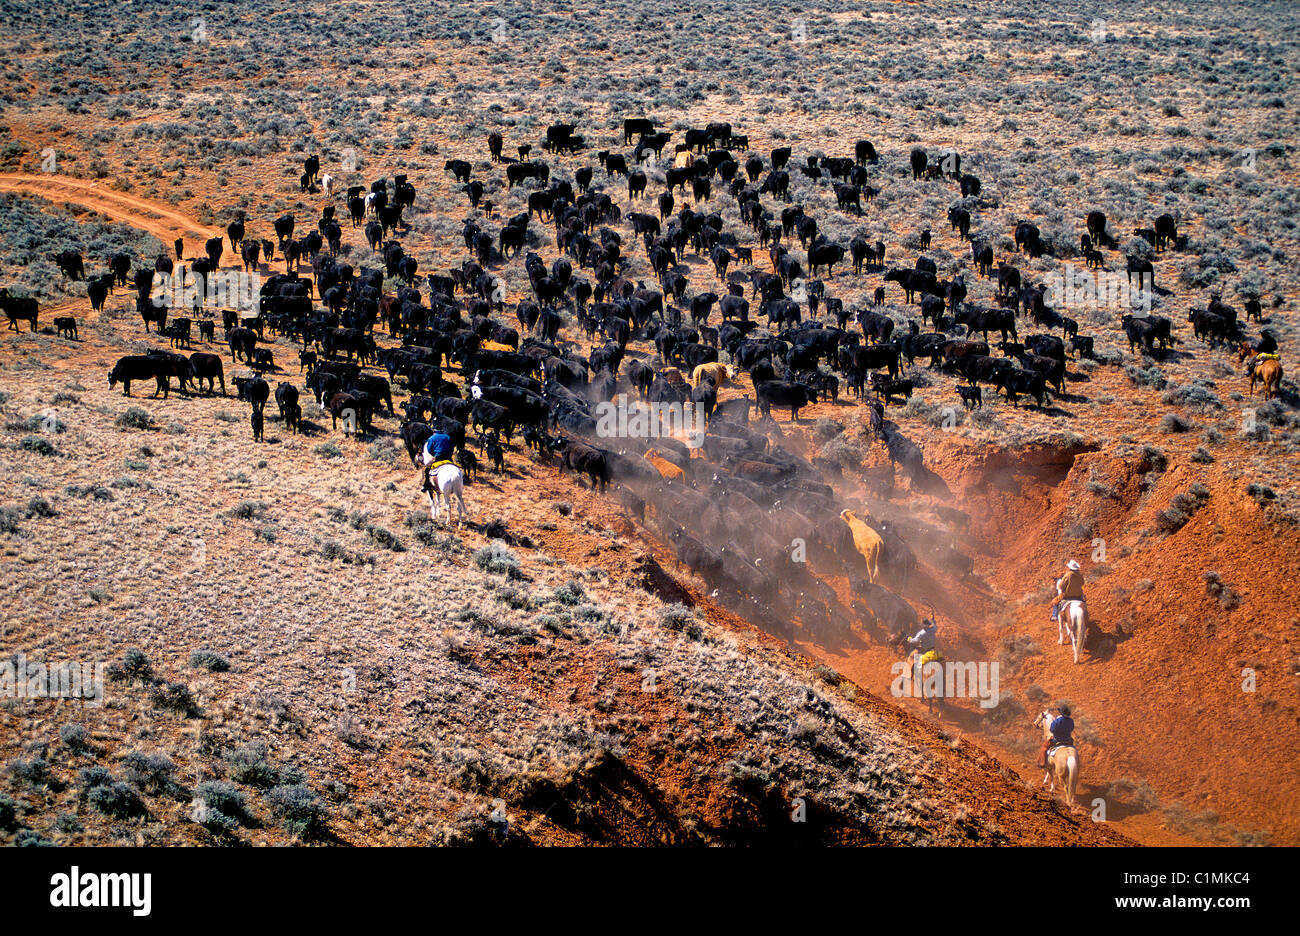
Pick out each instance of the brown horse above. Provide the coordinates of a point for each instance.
(1269, 373)
(1062, 764)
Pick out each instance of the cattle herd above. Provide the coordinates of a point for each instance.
(739, 509)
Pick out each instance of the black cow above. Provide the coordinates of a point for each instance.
(70, 264)
(919, 160)
(138, 367)
(19, 309)
(848, 196)
(1144, 270)
(1020, 382)
(1166, 231)
(205, 366)
(637, 126)
(1051, 368)
(120, 265)
(243, 342)
(636, 183)
(249, 252)
(782, 393)
(824, 254)
(876, 327)
(959, 218)
(1140, 331)
(97, 290)
(284, 226)
(585, 459)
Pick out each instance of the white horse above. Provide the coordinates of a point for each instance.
(1072, 617)
(446, 481)
(1063, 765)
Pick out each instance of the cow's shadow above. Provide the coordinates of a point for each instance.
(1174, 356)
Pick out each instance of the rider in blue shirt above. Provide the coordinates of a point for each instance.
(438, 448)
(925, 638)
(1062, 729)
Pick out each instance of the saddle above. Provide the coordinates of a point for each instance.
(430, 482)
(1056, 746)
(1060, 606)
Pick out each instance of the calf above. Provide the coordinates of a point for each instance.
(468, 464)
(971, 397)
(66, 326)
(496, 454)
(889, 388)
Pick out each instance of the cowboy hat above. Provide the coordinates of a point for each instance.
(1072, 566)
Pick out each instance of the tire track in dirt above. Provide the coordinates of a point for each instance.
(162, 222)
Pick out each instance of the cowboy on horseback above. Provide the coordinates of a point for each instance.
(923, 649)
(442, 477)
(1069, 587)
(925, 641)
(1062, 733)
(437, 452)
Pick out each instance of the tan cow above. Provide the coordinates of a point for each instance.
(867, 541)
(667, 469)
(722, 374)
